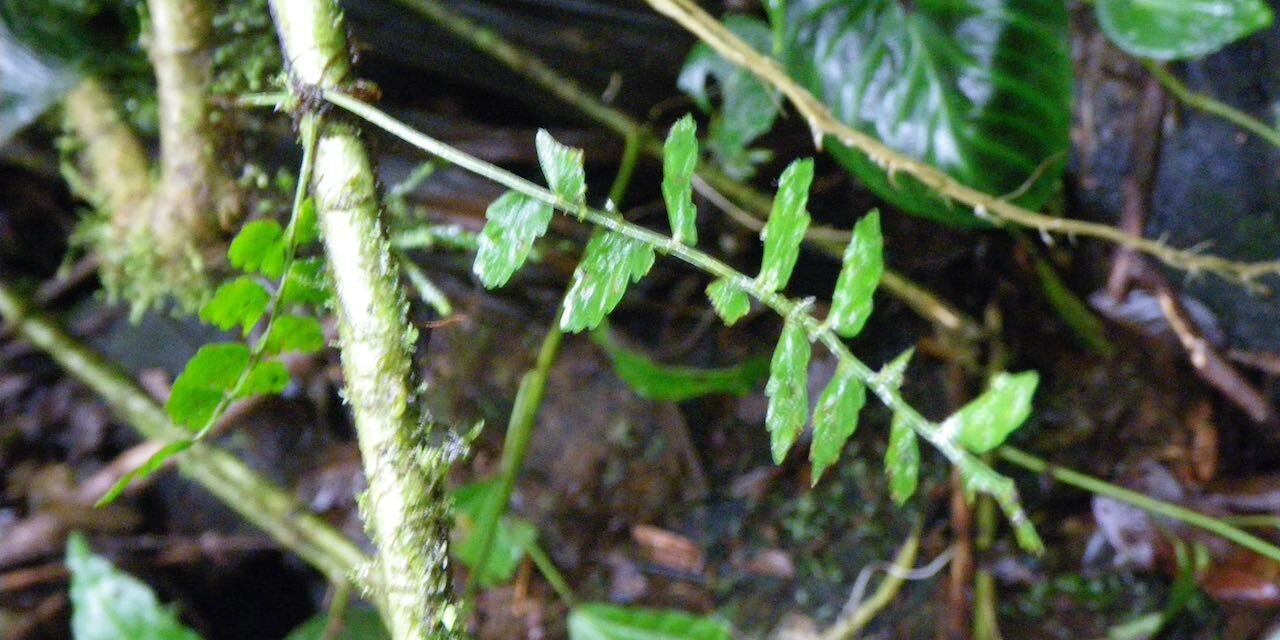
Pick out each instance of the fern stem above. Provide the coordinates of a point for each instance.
(406, 456)
(986, 480)
(1146, 503)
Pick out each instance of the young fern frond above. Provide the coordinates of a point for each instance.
(221, 373)
(729, 293)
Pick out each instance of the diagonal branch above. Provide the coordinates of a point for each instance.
(822, 124)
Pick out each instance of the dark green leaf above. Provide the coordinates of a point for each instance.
(859, 276)
(669, 383)
(240, 302)
(305, 283)
(475, 504)
(748, 108)
(597, 621)
(985, 422)
(293, 333)
(729, 300)
(610, 262)
(978, 88)
(108, 604)
(788, 389)
(359, 623)
(563, 168)
(679, 159)
(902, 459)
(152, 465)
(835, 418)
(209, 375)
(514, 222)
(788, 220)
(1176, 29)
(265, 378)
(259, 248)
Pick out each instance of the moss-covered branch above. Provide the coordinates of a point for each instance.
(406, 457)
(255, 498)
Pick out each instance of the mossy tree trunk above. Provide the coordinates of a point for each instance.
(406, 457)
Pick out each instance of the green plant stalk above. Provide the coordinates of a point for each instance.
(549, 571)
(1146, 503)
(981, 477)
(849, 627)
(255, 498)
(999, 210)
(406, 456)
(1209, 105)
(827, 239)
(529, 395)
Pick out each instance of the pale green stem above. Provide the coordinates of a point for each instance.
(849, 626)
(1146, 503)
(1211, 106)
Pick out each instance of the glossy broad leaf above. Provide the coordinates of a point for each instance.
(293, 333)
(679, 160)
(859, 276)
(784, 231)
(597, 621)
(240, 302)
(208, 376)
(835, 418)
(611, 261)
(1177, 29)
(473, 503)
(669, 383)
(788, 389)
(562, 167)
(515, 220)
(902, 459)
(978, 88)
(259, 248)
(108, 604)
(729, 300)
(985, 422)
(748, 107)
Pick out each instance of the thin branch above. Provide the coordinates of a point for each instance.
(1209, 105)
(255, 498)
(1146, 503)
(822, 123)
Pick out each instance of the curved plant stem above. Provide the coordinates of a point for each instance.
(848, 626)
(255, 498)
(1146, 503)
(822, 123)
(980, 477)
(406, 456)
(827, 239)
(1207, 104)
